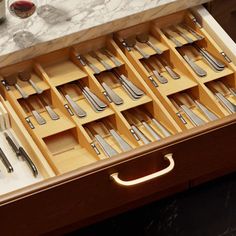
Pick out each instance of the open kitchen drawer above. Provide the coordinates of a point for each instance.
(105, 132)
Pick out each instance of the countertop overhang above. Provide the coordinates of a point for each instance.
(82, 20)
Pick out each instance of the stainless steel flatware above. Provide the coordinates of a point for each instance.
(131, 42)
(112, 95)
(40, 120)
(116, 62)
(209, 114)
(144, 38)
(85, 62)
(226, 103)
(168, 68)
(53, 115)
(194, 33)
(156, 73)
(197, 69)
(129, 87)
(6, 162)
(141, 135)
(215, 63)
(173, 39)
(105, 65)
(11, 80)
(19, 150)
(76, 108)
(183, 35)
(161, 127)
(26, 76)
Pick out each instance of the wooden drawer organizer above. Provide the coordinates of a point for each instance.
(78, 144)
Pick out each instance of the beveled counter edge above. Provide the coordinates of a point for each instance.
(96, 31)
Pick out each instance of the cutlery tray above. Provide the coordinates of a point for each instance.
(125, 113)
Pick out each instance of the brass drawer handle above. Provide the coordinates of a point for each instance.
(146, 178)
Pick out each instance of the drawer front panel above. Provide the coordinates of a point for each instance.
(96, 193)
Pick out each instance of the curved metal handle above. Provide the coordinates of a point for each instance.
(146, 178)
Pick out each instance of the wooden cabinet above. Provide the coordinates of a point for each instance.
(86, 171)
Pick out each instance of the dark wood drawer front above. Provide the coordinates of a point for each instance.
(96, 193)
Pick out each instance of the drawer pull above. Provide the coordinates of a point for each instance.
(146, 178)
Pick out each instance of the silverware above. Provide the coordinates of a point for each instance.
(130, 88)
(131, 42)
(215, 63)
(50, 111)
(156, 73)
(183, 35)
(95, 102)
(106, 147)
(85, 62)
(226, 103)
(11, 80)
(116, 62)
(112, 95)
(197, 69)
(140, 134)
(167, 67)
(144, 38)
(105, 65)
(194, 33)
(209, 114)
(20, 152)
(40, 120)
(26, 76)
(6, 162)
(165, 132)
(173, 39)
(76, 108)
(118, 138)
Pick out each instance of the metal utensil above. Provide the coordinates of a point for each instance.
(105, 65)
(107, 53)
(84, 61)
(118, 138)
(173, 39)
(226, 103)
(197, 69)
(212, 61)
(76, 108)
(26, 76)
(40, 120)
(21, 152)
(167, 67)
(112, 95)
(140, 134)
(209, 114)
(183, 35)
(194, 33)
(144, 38)
(6, 162)
(11, 80)
(50, 111)
(161, 127)
(106, 147)
(131, 42)
(156, 73)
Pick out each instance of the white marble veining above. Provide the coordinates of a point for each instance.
(73, 21)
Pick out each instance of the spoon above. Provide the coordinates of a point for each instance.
(144, 38)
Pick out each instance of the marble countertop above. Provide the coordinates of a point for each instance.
(69, 22)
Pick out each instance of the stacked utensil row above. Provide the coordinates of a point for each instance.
(185, 103)
(84, 61)
(154, 67)
(181, 31)
(223, 93)
(25, 76)
(100, 138)
(137, 117)
(14, 144)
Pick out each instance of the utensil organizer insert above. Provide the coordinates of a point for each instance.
(94, 98)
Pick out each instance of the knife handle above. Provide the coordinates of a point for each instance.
(28, 161)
